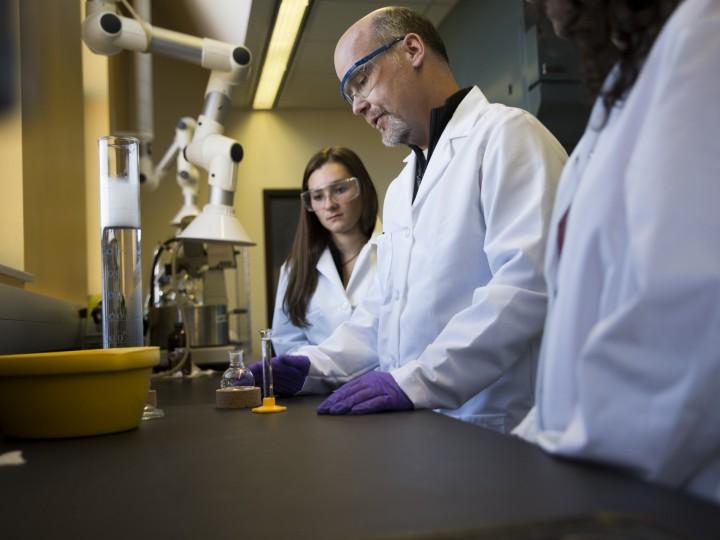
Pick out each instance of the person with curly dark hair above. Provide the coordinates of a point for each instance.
(630, 365)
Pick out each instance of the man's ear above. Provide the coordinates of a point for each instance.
(414, 47)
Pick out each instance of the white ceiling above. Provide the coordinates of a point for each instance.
(224, 20)
(310, 82)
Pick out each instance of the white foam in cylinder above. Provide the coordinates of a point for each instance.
(119, 182)
(119, 203)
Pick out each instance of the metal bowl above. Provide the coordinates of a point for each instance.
(205, 326)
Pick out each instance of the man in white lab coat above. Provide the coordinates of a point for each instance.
(455, 317)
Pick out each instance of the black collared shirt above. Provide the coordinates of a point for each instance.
(439, 118)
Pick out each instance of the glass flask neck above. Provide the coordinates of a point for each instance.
(236, 359)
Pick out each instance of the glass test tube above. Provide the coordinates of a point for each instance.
(266, 352)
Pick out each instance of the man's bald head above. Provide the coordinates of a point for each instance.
(393, 69)
(382, 26)
(391, 22)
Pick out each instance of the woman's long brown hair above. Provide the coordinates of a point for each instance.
(311, 238)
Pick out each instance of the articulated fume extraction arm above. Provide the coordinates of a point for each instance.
(106, 32)
(187, 174)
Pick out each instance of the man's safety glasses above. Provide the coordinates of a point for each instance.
(356, 81)
(340, 191)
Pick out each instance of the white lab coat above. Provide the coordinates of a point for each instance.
(331, 303)
(630, 364)
(458, 306)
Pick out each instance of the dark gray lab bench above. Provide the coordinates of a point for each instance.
(204, 473)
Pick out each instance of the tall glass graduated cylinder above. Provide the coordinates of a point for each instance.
(266, 352)
(122, 312)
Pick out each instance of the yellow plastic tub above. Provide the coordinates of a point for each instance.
(74, 393)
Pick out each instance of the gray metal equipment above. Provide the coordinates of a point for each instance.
(205, 286)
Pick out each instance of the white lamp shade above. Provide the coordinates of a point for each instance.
(217, 223)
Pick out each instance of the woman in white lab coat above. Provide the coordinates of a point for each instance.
(630, 364)
(331, 262)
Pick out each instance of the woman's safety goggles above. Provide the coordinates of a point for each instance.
(358, 80)
(340, 191)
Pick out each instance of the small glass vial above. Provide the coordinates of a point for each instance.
(237, 375)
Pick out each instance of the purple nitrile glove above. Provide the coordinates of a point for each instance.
(373, 392)
(289, 373)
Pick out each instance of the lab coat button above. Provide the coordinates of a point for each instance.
(407, 233)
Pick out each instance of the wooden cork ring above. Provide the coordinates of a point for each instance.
(237, 397)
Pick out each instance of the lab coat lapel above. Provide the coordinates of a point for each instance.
(326, 266)
(563, 200)
(406, 179)
(569, 182)
(451, 141)
(361, 265)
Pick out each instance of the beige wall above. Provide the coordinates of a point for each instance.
(12, 250)
(42, 194)
(53, 148)
(97, 124)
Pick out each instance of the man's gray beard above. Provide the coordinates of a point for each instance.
(396, 131)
